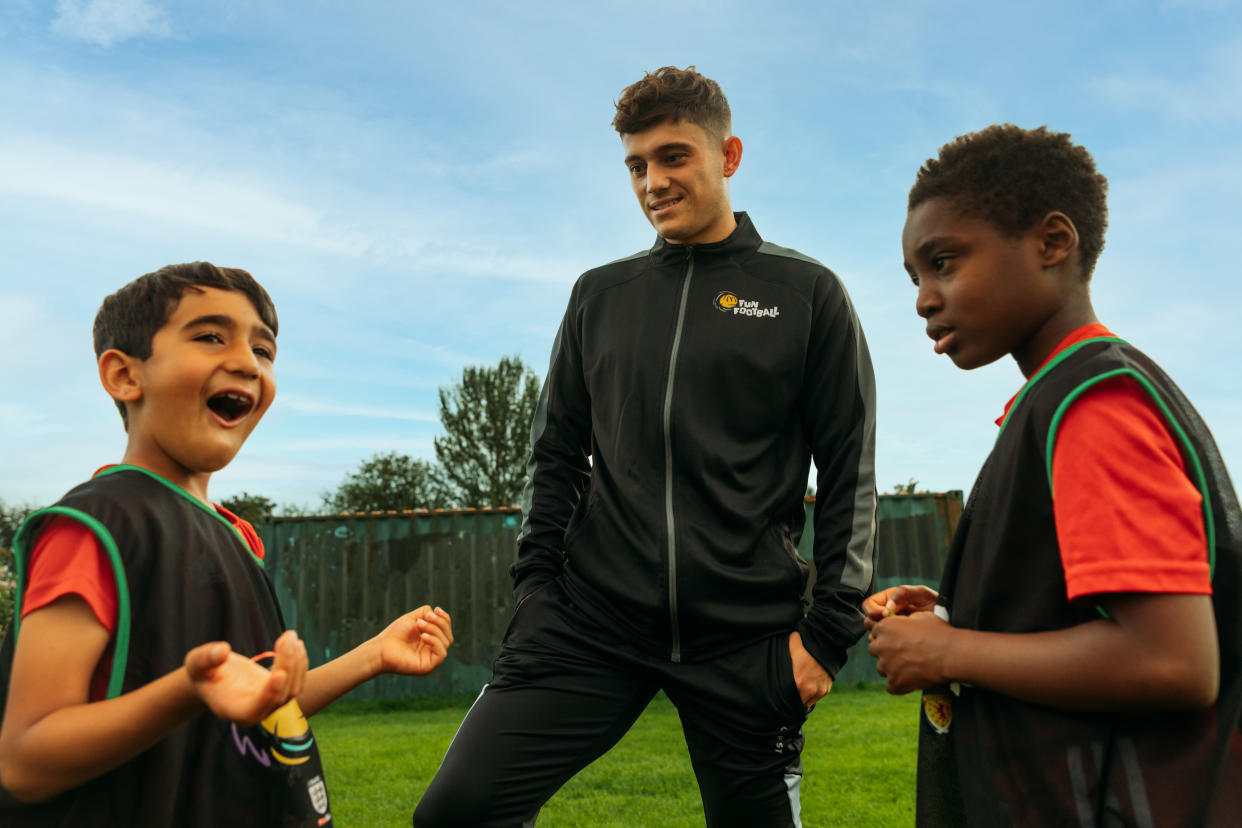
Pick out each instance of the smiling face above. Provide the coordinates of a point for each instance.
(985, 294)
(205, 386)
(679, 176)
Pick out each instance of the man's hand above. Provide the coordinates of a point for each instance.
(236, 688)
(812, 679)
(910, 651)
(416, 643)
(898, 600)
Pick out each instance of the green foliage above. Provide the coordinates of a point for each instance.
(859, 766)
(486, 418)
(907, 487)
(250, 507)
(389, 480)
(8, 588)
(11, 518)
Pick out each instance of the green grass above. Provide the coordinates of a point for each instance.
(859, 765)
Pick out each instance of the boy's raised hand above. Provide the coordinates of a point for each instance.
(906, 599)
(240, 690)
(416, 643)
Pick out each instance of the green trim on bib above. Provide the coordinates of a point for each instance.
(120, 647)
(200, 504)
(1199, 478)
(1057, 360)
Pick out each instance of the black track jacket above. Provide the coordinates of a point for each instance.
(689, 388)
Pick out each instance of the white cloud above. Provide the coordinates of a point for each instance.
(107, 22)
(200, 198)
(240, 203)
(366, 442)
(307, 405)
(1212, 96)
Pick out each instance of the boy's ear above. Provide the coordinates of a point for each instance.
(120, 375)
(1058, 238)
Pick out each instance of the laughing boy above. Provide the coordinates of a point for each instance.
(127, 685)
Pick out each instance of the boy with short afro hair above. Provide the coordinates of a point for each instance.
(1081, 663)
(130, 687)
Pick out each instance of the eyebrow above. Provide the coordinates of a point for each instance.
(675, 145)
(226, 321)
(926, 247)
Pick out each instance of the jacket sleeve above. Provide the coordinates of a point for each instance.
(559, 468)
(838, 408)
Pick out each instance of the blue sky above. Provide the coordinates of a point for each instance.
(418, 185)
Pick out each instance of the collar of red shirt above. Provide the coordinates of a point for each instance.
(1072, 338)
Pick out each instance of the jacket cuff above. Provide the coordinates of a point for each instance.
(829, 655)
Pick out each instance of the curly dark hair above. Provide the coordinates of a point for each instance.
(128, 319)
(1013, 177)
(672, 94)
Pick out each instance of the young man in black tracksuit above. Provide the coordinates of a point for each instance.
(690, 387)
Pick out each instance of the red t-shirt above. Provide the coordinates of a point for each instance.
(68, 560)
(1128, 518)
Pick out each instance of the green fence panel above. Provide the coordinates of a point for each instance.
(340, 579)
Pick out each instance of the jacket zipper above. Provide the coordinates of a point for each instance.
(675, 654)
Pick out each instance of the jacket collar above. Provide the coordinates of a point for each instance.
(744, 239)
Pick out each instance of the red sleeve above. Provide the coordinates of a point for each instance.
(1128, 518)
(67, 560)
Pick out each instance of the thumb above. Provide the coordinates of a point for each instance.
(206, 657)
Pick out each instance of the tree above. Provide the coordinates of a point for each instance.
(11, 518)
(389, 480)
(486, 418)
(249, 507)
(906, 488)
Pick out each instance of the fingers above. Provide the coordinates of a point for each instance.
(201, 660)
(290, 663)
(436, 625)
(873, 605)
(448, 622)
(910, 598)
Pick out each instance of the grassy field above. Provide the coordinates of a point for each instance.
(859, 765)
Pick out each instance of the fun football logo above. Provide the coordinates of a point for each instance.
(729, 302)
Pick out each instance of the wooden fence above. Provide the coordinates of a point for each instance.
(341, 578)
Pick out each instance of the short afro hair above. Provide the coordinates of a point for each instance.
(672, 94)
(1013, 177)
(128, 319)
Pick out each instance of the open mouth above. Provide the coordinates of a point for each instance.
(661, 206)
(231, 406)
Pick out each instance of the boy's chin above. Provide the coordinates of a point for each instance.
(210, 462)
(969, 362)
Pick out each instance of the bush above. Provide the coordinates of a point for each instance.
(8, 589)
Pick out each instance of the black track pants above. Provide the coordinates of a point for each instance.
(564, 690)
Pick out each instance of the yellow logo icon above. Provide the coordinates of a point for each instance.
(291, 734)
(938, 709)
(726, 300)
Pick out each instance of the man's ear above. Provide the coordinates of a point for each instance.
(1058, 238)
(732, 155)
(121, 375)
